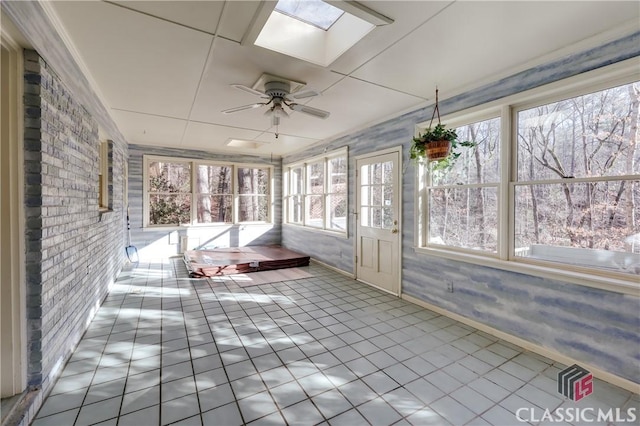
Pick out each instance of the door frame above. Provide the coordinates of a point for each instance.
(13, 372)
(398, 150)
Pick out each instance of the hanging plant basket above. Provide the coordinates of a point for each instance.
(437, 150)
(437, 143)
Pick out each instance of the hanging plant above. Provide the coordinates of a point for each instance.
(437, 143)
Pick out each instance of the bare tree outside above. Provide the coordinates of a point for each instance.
(576, 188)
(253, 194)
(169, 193)
(463, 199)
(578, 168)
(215, 194)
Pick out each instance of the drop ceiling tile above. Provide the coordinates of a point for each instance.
(472, 43)
(284, 144)
(353, 104)
(201, 15)
(210, 137)
(146, 129)
(405, 19)
(238, 17)
(139, 62)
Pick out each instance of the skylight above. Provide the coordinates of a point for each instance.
(313, 12)
(313, 30)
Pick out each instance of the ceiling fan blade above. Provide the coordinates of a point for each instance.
(309, 93)
(315, 112)
(250, 90)
(242, 108)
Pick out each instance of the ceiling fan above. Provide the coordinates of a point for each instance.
(277, 95)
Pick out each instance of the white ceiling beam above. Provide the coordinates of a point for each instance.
(361, 11)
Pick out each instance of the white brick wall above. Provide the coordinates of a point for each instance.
(73, 252)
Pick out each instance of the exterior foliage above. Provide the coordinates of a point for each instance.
(576, 183)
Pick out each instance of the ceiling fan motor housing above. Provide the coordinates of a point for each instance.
(277, 89)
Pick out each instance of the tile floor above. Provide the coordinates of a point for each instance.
(167, 349)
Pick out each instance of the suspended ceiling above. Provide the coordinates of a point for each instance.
(164, 69)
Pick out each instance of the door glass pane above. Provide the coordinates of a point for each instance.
(387, 218)
(364, 175)
(376, 173)
(365, 217)
(387, 172)
(376, 217)
(388, 195)
(376, 195)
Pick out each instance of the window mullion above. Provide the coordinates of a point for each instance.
(194, 192)
(506, 206)
(325, 198)
(235, 217)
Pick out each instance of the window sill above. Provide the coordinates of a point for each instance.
(337, 234)
(156, 228)
(613, 284)
(103, 211)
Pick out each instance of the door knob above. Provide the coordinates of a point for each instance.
(394, 231)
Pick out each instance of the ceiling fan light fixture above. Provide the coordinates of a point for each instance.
(279, 94)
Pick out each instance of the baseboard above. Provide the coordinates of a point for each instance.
(333, 268)
(533, 347)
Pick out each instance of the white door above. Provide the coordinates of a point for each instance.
(378, 220)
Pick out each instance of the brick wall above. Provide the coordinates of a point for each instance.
(73, 251)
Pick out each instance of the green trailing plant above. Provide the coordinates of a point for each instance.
(434, 134)
(438, 133)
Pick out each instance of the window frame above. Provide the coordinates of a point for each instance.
(105, 176)
(618, 74)
(288, 195)
(194, 163)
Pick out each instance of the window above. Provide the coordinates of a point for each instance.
(105, 176)
(316, 192)
(215, 194)
(463, 199)
(578, 188)
(337, 194)
(186, 192)
(296, 193)
(558, 190)
(253, 190)
(169, 193)
(314, 200)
